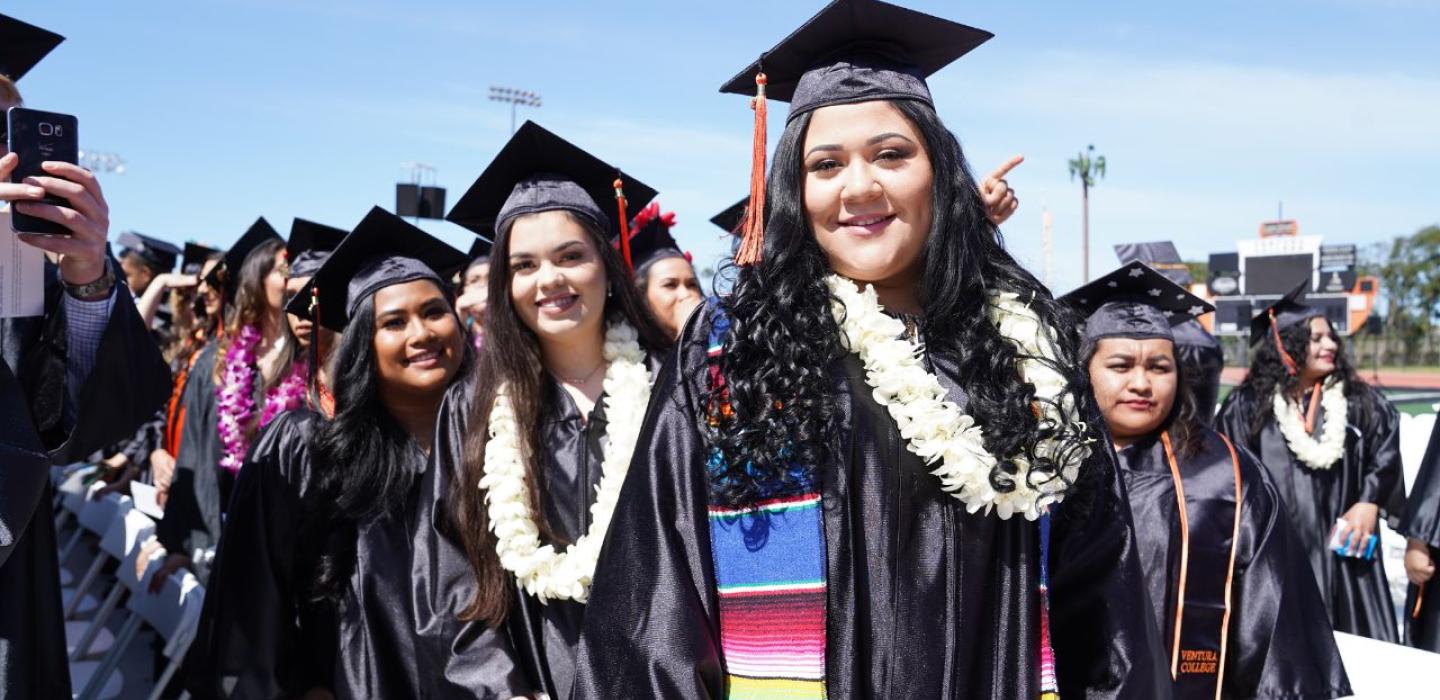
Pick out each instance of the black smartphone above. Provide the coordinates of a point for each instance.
(36, 137)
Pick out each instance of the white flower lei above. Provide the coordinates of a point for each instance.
(1322, 454)
(543, 572)
(935, 428)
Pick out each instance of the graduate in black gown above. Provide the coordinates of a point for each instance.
(472, 294)
(1421, 527)
(204, 327)
(340, 572)
(568, 339)
(200, 489)
(663, 273)
(1339, 461)
(1230, 586)
(778, 533)
(81, 375)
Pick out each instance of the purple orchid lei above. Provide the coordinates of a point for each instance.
(288, 395)
(237, 391)
(236, 397)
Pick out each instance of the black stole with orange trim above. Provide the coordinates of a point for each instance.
(1209, 512)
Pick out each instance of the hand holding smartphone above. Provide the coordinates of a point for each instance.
(37, 136)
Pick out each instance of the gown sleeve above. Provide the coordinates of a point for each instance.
(129, 381)
(650, 627)
(1382, 477)
(1280, 631)
(252, 639)
(1421, 519)
(44, 426)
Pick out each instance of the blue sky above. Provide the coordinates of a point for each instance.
(1208, 113)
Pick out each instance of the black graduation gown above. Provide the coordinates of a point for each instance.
(546, 636)
(1355, 590)
(1280, 642)
(1204, 360)
(39, 427)
(1421, 521)
(200, 489)
(395, 634)
(924, 600)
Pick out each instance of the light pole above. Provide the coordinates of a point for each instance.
(516, 98)
(1087, 166)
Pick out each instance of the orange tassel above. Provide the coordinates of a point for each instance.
(1310, 414)
(1290, 367)
(752, 238)
(624, 226)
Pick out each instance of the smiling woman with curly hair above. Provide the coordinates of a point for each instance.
(861, 467)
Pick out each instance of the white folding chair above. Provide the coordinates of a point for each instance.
(83, 674)
(99, 517)
(70, 497)
(122, 541)
(173, 613)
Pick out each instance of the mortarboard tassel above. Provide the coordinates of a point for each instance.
(314, 339)
(624, 226)
(1290, 367)
(752, 227)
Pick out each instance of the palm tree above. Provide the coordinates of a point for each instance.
(1088, 166)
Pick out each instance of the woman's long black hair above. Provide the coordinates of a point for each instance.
(1267, 375)
(1187, 430)
(362, 457)
(512, 358)
(783, 336)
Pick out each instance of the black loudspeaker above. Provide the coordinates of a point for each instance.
(415, 201)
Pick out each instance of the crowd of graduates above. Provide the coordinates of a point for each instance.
(886, 462)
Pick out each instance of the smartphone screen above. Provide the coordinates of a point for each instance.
(36, 137)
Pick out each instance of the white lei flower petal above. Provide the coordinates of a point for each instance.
(540, 570)
(935, 429)
(1322, 454)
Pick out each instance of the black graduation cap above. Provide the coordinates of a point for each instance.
(258, 233)
(381, 251)
(22, 46)
(159, 255)
(1134, 301)
(1289, 310)
(732, 217)
(650, 236)
(192, 260)
(857, 51)
(1161, 255)
(480, 248)
(538, 171)
(309, 245)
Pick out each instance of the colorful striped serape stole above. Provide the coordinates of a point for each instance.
(770, 574)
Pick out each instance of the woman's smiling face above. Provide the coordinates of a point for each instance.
(868, 191)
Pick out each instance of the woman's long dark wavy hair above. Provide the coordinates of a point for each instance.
(512, 358)
(1187, 431)
(1267, 375)
(361, 457)
(783, 336)
(251, 304)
